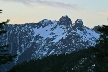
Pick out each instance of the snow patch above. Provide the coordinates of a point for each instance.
(65, 16)
(88, 35)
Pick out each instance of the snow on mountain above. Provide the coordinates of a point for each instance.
(48, 37)
(47, 33)
(88, 35)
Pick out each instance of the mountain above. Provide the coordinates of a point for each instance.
(47, 37)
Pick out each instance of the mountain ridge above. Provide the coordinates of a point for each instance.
(47, 37)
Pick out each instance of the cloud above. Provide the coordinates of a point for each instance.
(105, 13)
(46, 3)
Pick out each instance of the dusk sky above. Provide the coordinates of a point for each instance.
(92, 12)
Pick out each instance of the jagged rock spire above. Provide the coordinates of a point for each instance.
(79, 22)
(65, 20)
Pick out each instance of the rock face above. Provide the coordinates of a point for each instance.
(79, 22)
(47, 37)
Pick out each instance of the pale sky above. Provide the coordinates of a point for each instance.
(92, 12)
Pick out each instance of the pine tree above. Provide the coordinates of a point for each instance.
(5, 57)
(0, 11)
(102, 42)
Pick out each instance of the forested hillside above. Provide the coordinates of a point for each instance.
(81, 61)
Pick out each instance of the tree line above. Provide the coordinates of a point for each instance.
(5, 56)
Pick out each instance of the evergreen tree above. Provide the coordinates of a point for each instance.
(0, 11)
(102, 42)
(5, 57)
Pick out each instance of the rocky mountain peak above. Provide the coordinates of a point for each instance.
(65, 20)
(79, 22)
